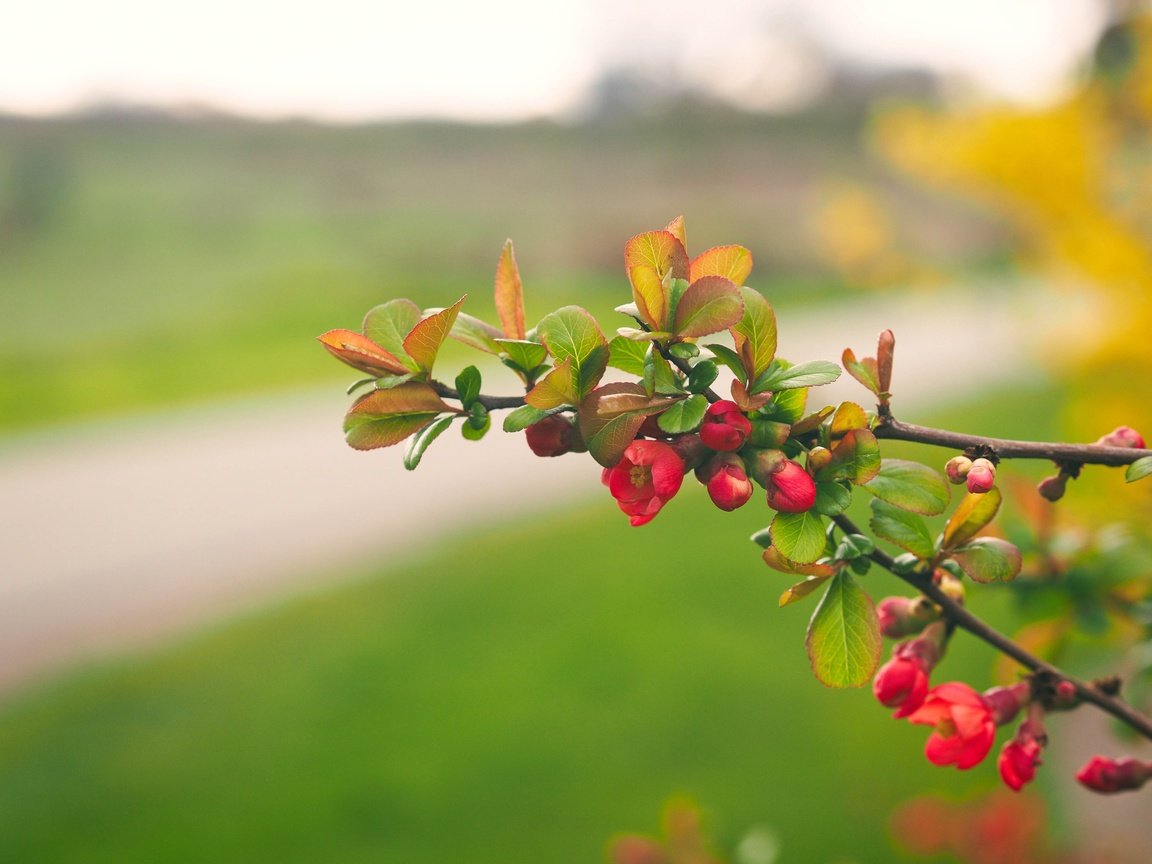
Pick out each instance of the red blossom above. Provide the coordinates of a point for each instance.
(725, 427)
(964, 728)
(647, 475)
(791, 489)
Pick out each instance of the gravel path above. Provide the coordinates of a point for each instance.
(113, 535)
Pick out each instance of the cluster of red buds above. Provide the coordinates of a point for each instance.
(723, 458)
(978, 474)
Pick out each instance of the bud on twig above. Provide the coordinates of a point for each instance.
(957, 469)
(1123, 436)
(981, 476)
(1102, 774)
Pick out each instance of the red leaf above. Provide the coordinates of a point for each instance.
(423, 343)
(509, 294)
(360, 352)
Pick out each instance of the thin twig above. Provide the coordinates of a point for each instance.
(965, 620)
(1081, 454)
(492, 403)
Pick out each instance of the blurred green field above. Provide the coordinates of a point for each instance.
(518, 694)
(153, 260)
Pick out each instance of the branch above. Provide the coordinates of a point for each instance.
(1080, 454)
(492, 403)
(965, 620)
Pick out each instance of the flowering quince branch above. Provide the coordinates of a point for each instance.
(649, 433)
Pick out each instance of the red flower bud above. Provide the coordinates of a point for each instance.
(552, 436)
(981, 476)
(1123, 436)
(725, 427)
(958, 468)
(1006, 702)
(901, 683)
(1102, 774)
(728, 485)
(1018, 761)
(791, 489)
(690, 449)
(647, 476)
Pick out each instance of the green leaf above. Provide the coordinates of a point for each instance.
(524, 354)
(905, 529)
(421, 441)
(572, 332)
(388, 324)
(729, 358)
(988, 559)
(844, 635)
(711, 304)
(972, 513)
(755, 334)
(810, 374)
(911, 486)
(522, 418)
(799, 536)
(1138, 470)
(387, 382)
(424, 341)
(854, 546)
(627, 355)
(788, 406)
(684, 416)
(475, 333)
(684, 350)
(386, 417)
(702, 376)
(856, 458)
(832, 499)
(659, 376)
(477, 426)
(468, 385)
(610, 417)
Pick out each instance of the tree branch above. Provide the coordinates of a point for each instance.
(492, 403)
(965, 620)
(1080, 454)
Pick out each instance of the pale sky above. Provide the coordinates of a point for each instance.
(503, 59)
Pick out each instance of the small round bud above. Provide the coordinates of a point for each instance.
(1123, 436)
(981, 476)
(1053, 488)
(728, 485)
(957, 469)
(553, 436)
(818, 457)
(791, 489)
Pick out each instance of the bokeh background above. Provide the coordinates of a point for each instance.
(224, 636)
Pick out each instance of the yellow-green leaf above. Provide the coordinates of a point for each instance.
(388, 324)
(709, 305)
(386, 417)
(556, 388)
(911, 486)
(988, 559)
(755, 334)
(424, 342)
(972, 513)
(731, 262)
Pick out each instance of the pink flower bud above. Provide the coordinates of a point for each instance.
(1006, 702)
(552, 436)
(957, 469)
(1065, 696)
(1102, 774)
(791, 489)
(905, 616)
(725, 427)
(981, 476)
(1053, 488)
(728, 485)
(1123, 436)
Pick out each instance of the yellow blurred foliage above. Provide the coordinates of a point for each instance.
(1074, 182)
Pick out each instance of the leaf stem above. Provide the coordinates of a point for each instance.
(492, 403)
(966, 620)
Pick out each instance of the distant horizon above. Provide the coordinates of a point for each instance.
(352, 61)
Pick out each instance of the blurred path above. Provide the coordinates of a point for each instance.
(115, 534)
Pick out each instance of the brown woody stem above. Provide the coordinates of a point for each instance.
(1079, 454)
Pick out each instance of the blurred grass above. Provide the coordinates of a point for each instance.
(153, 260)
(520, 693)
